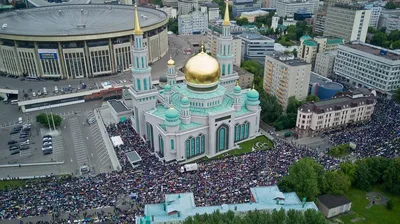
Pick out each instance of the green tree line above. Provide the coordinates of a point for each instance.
(380, 38)
(292, 216)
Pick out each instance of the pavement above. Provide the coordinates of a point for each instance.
(176, 47)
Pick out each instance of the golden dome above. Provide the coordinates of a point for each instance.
(170, 61)
(202, 69)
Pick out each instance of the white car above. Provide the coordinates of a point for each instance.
(85, 169)
(46, 144)
(33, 94)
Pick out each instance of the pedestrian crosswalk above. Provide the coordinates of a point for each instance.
(58, 148)
(82, 157)
(101, 150)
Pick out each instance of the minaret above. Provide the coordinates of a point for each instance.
(171, 73)
(224, 54)
(237, 94)
(185, 110)
(252, 101)
(167, 95)
(142, 91)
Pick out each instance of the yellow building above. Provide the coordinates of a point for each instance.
(286, 76)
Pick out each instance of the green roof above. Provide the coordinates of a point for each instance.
(310, 43)
(253, 94)
(172, 113)
(305, 37)
(334, 41)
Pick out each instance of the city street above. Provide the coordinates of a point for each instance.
(176, 47)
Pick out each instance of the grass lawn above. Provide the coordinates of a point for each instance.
(375, 214)
(10, 184)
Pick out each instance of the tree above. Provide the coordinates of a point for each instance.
(396, 44)
(303, 178)
(397, 95)
(371, 30)
(242, 21)
(293, 105)
(379, 39)
(349, 169)
(337, 183)
(157, 2)
(394, 35)
(312, 98)
(314, 217)
(364, 178)
(173, 25)
(389, 204)
(44, 120)
(390, 5)
(253, 67)
(391, 177)
(340, 150)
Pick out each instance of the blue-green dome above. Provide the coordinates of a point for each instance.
(237, 89)
(305, 37)
(167, 87)
(253, 94)
(172, 113)
(185, 100)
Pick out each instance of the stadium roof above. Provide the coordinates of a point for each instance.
(75, 20)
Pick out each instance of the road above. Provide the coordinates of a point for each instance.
(176, 46)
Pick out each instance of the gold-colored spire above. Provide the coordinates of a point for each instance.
(237, 82)
(227, 21)
(138, 30)
(202, 47)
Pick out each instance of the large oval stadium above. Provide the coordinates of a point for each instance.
(77, 41)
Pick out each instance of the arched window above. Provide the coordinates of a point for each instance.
(222, 137)
(224, 50)
(223, 69)
(172, 145)
(237, 131)
(203, 143)
(142, 62)
(150, 134)
(195, 146)
(161, 145)
(188, 148)
(247, 129)
(229, 69)
(138, 84)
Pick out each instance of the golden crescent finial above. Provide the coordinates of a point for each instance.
(137, 29)
(227, 21)
(202, 47)
(237, 82)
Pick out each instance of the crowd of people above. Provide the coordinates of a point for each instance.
(225, 180)
(378, 137)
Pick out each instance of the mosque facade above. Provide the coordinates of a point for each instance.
(205, 115)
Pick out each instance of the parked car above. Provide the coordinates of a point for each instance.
(47, 136)
(14, 132)
(24, 143)
(47, 139)
(12, 142)
(46, 144)
(91, 120)
(25, 147)
(13, 152)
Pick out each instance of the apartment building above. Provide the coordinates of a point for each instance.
(187, 6)
(375, 14)
(389, 19)
(286, 76)
(192, 23)
(239, 6)
(212, 10)
(213, 33)
(309, 48)
(171, 12)
(366, 65)
(245, 78)
(346, 107)
(256, 46)
(285, 8)
(348, 22)
(324, 63)
(319, 22)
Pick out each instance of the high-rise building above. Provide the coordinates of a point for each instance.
(286, 76)
(389, 19)
(366, 65)
(319, 22)
(187, 6)
(324, 63)
(287, 8)
(225, 55)
(375, 14)
(171, 12)
(309, 48)
(192, 23)
(212, 10)
(348, 22)
(240, 6)
(256, 46)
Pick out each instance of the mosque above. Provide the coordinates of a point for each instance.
(205, 115)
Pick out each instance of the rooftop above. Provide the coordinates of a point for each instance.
(254, 36)
(333, 201)
(41, 3)
(375, 50)
(118, 106)
(71, 20)
(133, 157)
(287, 59)
(178, 207)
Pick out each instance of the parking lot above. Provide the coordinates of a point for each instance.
(77, 144)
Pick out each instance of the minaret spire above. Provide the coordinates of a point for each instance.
(138, 30)
(227, 21)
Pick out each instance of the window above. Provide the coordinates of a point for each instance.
(172, 145)
(161, 145)
(138, 84)
(195, 146)
(145, 84)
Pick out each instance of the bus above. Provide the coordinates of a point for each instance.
(14, 102)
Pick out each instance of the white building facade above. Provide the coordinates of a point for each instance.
(194, 119)
(366, 65)
(324, 63)
(192, 23)
(348, 107)
(289, 8)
